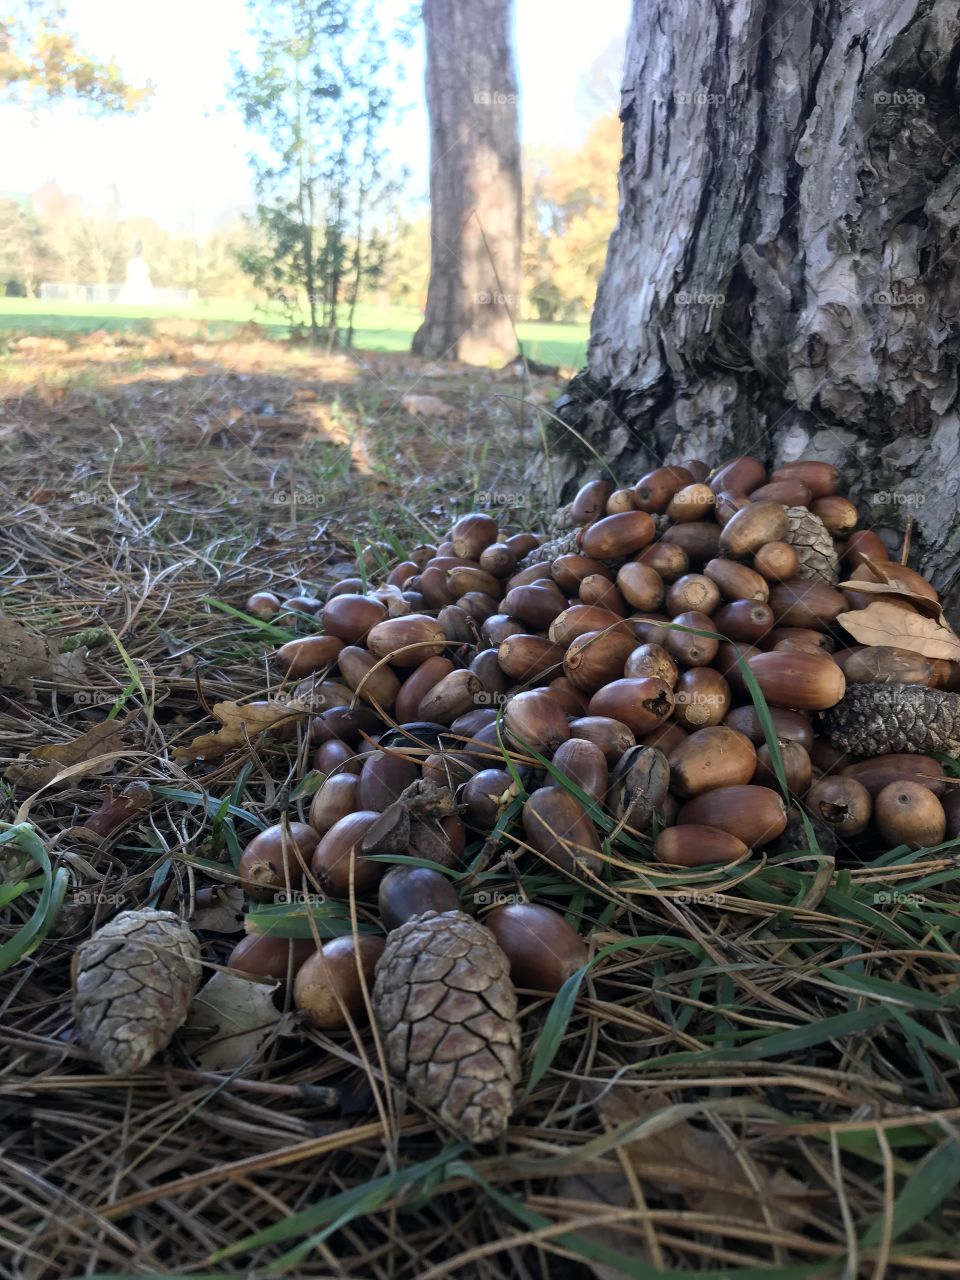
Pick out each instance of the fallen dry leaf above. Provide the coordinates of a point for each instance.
(700, 1165)
(240, 722)
(25, 657)
(223, 913)
(427, 407)
(229, 1019)
(885, 623)
(116, 811)
(96, 751)
(894, 591)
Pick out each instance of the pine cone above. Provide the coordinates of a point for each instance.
(875, 719)
(132, 985)
(809, 536)
(561, 545)
(447, 1011)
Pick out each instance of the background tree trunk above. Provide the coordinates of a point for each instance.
(475, 207)
(783, 279)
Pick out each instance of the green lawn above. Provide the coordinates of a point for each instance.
(378, 328)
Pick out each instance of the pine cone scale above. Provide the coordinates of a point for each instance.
(876, 719)
(811, 540)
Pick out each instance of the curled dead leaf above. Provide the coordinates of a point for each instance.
(884, 623)
(94, 752)
(229, 1020)
(239, 723)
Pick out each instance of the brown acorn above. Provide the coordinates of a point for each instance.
(493, 680)
(596, 658)
(710, 758)
(884, 664)
(897, 766)
(792, 493)
(620, 500)
(346, 586)
(700, 541)
(416, 686)
(382, 779)
(750, 528)
(263, 605)
(823, 478)
(806, 602)
(805, 637)
(727, 505)
(776, 561)
(478, 606)
(670, 562)
(611, 736)
(739, 475)
(458, 625)
(639, 704)
(863, 545)
(730, 654)
(573, 700)
(692, 502)
(620, 535)
(665, 737)
(743, 620)
(472, 533)
(697, 845)
(951, 807)
(498, 559)
(485, 795)
(803, 681)
(275, 859)
(639, 788)
(262, 956)
(535, 605)
(797, 768)
(755, 815)
(599, 590)
(908, 813)
(330, 983)
(585, 765)
(532, 573)
(304, 656)
(691, 650)
(790, 726)
(590, 502)
(335, 757)
(653, 491)
(568, 571)
(693, 591)
(452, 696)
(350, 617)
(402, 573)
(736, 581)
(525, 657)
(702, 697)
(449, 768)
(535, 719)
(581, 618)
(839, 515)
(543, 949)
(371, 679)
(560, 829)
(651, 660)
(463, 578)
(495, 629)
(406, 892)
(336, 797)
(339, 851)
(842, 803)
(303, 604)
(408, 641)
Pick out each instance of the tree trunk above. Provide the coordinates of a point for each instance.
(475, 207)
(783, 279)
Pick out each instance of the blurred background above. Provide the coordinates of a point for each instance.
(169, 162)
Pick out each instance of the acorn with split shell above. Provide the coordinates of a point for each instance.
(842, 803)
(275, 859)
(651, 660)
(329, 986)
(543, 949)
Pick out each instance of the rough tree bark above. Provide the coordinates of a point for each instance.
(475, 207)
(783, 279)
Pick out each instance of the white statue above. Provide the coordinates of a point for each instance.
(137, 288)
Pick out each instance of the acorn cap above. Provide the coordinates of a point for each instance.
(447, 1011)
(875, 719)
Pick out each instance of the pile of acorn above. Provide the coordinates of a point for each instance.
(616, 653)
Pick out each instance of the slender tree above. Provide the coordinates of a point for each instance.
(475, 197)
(783, 278)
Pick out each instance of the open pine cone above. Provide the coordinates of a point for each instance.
(447, 1011)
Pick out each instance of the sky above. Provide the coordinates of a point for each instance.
(182, 160)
